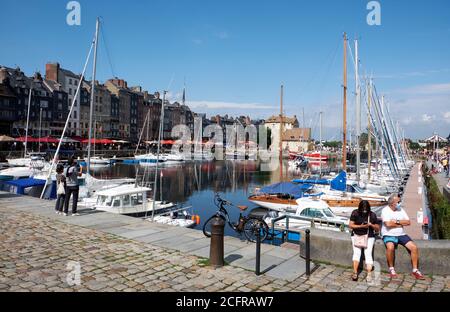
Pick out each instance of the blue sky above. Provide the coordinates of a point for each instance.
(235, 54)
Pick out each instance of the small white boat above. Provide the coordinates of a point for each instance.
(101, 161)
(173, 157)
(16, 173)
(125, 199)
(150, 158)
(310, 210)
(174, 220)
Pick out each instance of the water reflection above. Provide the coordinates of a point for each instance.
(194, 183)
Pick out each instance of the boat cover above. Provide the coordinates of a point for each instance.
(294, 189)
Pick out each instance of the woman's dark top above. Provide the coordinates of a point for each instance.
(359, 219)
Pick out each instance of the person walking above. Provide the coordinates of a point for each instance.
(72, 186)
(394, 220)
(364, 224)
(60, 189)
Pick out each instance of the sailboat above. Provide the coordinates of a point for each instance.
(91, 184)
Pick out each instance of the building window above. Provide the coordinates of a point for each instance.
(75, 115)
(70, 81)
(70, 91)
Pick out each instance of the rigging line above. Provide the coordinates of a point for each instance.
(327, 76)
(317, 72)
(102, 33)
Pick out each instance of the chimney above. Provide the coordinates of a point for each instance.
(3, 75)
(51, 71)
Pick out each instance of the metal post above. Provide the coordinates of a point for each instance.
(216, 250)
(258, 250)
(307, 253)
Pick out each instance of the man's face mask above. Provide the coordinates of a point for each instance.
(399, 206)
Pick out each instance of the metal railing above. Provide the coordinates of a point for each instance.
(285, 232)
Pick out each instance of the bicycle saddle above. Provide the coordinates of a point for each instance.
(242, 208)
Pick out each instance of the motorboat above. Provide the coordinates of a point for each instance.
(101, 161)
(126, 199)
(309, 212)
(150, 158)
(179, 218)
(298, 162)
(33, 159)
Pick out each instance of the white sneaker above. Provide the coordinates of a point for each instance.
(65, 214)
(75, 214)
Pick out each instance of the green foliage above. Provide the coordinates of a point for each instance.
(414, 145)
(333, 144)
(440, 208)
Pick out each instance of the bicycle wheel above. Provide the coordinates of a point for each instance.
(251, 228)
(207, 226)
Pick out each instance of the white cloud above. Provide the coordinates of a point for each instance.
(427, 118)
(429, 89)
(447, 117)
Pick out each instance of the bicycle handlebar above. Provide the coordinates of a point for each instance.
(221, 201)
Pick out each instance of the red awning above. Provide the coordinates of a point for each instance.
(98, 141)
(167, 142)
(22, 139)
(47, 139)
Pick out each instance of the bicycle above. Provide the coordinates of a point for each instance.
(247, 225)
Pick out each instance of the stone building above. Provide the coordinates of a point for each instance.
(69, 83)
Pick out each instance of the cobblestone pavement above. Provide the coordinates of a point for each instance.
(36, 254)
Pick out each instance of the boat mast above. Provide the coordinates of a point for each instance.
(369, 130)
(344, 141)
(320, 144)
(281, 132)
(28, 119)
(67, 121)
(358, 115)
(161, 130)
(91, 111)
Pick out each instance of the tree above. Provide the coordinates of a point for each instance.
(333, 144)
(363, 140)
(414, 145)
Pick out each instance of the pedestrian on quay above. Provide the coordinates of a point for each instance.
(364, 225)
(72, 186)
(445, 165)
(60, 189)
(394, 220)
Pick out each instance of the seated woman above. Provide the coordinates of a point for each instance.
(363, 222)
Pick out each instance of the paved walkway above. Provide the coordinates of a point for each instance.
(39, 250)
(413, 202)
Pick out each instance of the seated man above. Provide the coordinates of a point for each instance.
(394, 219)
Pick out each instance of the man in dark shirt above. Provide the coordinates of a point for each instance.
(72, 186)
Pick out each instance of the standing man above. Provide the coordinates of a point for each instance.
(72, 187)
(394, 219)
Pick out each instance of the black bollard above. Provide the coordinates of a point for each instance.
(216, 250)
(307, 253)
(258, 251)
